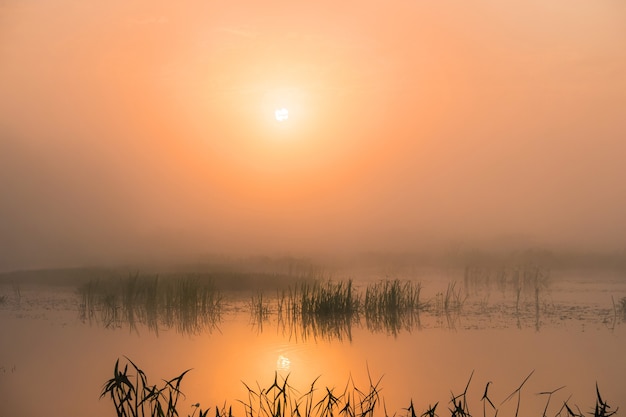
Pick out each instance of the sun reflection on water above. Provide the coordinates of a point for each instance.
(283, 363)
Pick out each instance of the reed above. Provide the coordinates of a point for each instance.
(453, 299)
(17, 291)
(259, 311)
(313, 307)
(520, 278)
(188, 304)
(448, 305)
(392, 306)
(133, 396)
(324, 309)
(622, 307)
(324, 299)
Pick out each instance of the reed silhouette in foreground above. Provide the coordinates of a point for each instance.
(133, 396)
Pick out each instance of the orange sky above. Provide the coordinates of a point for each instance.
(145, 128)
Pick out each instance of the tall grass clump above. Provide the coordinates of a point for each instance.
(134, 396)
(392, 305)
(191, 305)
(188, 304)
(283, 400)
(328, 298)
(321, 308)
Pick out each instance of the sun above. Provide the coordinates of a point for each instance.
(281, 114)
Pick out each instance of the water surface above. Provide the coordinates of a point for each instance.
(54, 363)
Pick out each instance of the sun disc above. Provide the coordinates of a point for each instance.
(281, 114)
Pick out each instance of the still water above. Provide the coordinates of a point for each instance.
(54, 362)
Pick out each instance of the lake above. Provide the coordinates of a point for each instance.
(566, 329)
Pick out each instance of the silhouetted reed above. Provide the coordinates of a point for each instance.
(133, 396)
(324, 309)
(283, 400)
(329, 309)
(392, 306)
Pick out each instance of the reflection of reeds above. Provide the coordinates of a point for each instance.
(524, 278)
(326, 309)
(622, 307)
(527, 282)
(449, 305)
(329, 309)
(392, 306)
(311, 307)
(259, 311)
(188, 304)
(132, 395)
(17, 291)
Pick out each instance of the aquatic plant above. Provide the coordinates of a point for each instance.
(392, 306)
(324, 309)
(133, 396)
(283, 400)
(329, 309)
(188, 303)
(602, 407)
(313, 308)
(622, 307)
(521, 278)
(259, 310)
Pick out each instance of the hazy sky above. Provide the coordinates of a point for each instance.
(146, 128)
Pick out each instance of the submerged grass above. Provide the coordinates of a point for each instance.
(133, 396)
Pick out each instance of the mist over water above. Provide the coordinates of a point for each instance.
(445, 199)
(131, 134)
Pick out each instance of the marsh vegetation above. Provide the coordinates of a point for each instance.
(302, 322)
(313, 305)
(134, 396)
(188, 304)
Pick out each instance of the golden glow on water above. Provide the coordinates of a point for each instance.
(423, 365)
(283, 363)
